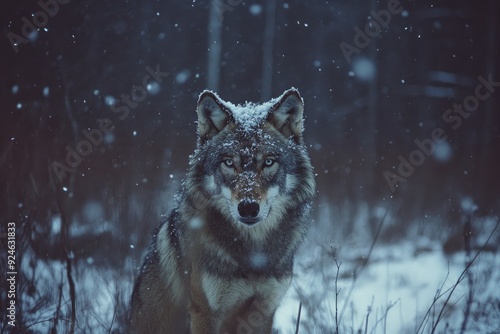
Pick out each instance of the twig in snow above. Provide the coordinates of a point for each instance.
(368, 315)
(462, 277)
(467, 242)
(337, 291)
(438, 295)
(451, 290)
(298, 319)
(387, 312)
(379, 228)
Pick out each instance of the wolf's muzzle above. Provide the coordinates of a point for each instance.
(248, 212)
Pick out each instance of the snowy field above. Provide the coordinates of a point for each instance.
(393, 292)
(391, 289)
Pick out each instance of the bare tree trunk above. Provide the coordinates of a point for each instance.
(371, 141)
(467, 234)
(487, 134)
(267, 54)
(214, 46)
(63, 200)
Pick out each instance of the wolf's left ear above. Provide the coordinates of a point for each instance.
(286, 114)
(213, 116)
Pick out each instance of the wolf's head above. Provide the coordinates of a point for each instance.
(251, 164)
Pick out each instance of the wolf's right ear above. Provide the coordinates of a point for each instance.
(213, 116)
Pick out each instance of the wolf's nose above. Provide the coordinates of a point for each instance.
(248, 210)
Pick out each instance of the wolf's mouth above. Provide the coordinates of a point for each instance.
(249, 221)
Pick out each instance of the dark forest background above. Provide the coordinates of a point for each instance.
(362, 115)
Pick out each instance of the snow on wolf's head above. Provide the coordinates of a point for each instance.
(284, 113)
(250, 164)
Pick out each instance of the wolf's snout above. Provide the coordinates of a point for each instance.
(248, 211)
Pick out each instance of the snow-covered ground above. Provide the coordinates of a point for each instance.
(389, 292)
(393, 292)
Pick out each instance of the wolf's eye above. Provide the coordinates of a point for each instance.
(268, 162)
(229, 163)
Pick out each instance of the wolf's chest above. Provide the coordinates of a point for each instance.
(224, 295)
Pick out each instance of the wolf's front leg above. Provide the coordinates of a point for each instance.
(253, 317)
(201, 321)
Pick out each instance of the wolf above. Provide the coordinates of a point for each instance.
(222, 260)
